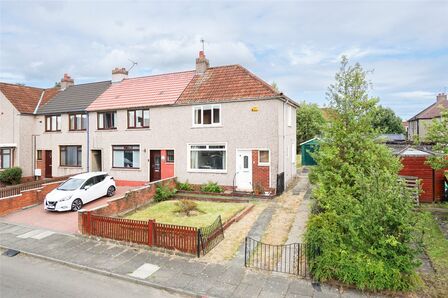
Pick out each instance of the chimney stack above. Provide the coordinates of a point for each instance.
(202, 63)
(66, 82)
(441, 97)
(119, 74)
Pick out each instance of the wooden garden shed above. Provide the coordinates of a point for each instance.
(414, 164)
(306, 149)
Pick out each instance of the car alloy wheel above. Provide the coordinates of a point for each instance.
(110, 191)
(76, 205)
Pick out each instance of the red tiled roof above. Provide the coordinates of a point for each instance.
(231, 82)
(433, 111)
(143, 92)
(25, 98)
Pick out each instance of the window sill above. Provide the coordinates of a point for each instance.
(77, 131)
(106, 130)
(208, 126)
(126, 169)
(207, 171)
(53, 131)
(264, 164)
(70, 167)
(138, 129)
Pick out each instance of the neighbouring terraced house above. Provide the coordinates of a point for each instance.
(419, 124)
(18, 105)
(220, 124)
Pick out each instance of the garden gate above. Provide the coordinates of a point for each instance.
(291, 258)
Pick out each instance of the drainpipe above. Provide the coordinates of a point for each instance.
(88, 142)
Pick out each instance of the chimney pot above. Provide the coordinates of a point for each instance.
(119, 74)
(66, 82)
(202, 63)
(441, 97)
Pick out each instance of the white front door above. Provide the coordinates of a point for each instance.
(243, 180)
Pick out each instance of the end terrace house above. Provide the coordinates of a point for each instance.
(18, 105)
(221, 124)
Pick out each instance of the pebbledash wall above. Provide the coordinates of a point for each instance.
(250, 124)
(13, 134)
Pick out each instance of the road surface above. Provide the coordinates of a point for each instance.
(25, 276)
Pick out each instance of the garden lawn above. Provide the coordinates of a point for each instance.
(166, 212)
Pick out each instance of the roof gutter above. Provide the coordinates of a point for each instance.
(38, 103)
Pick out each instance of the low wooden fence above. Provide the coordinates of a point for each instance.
(14, 190)
(413, 184)
(174, 237)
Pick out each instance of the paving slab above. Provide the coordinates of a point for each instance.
(144, 271)
(222, 289)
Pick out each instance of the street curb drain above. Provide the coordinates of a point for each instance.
(11, 253)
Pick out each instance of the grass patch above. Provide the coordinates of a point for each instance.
(436, 247)
(167, 212)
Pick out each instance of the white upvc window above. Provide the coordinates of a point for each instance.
(207, 115)
(207, 158)
(289, 116)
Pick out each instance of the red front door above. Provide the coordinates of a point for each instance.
(48, 164)
(155, 172)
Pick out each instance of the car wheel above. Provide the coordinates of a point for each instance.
(110, 191)
(76, 205)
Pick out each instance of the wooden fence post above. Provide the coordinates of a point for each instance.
(89, 221)
(150, 232)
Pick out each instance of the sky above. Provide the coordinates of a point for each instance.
(297, 44)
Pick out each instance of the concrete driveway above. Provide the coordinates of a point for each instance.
(65, 222)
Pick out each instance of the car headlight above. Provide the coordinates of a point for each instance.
(65, 199)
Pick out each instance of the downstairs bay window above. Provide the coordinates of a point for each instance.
(207, 158)
(126, 156)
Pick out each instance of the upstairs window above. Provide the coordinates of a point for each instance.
(138, 118)
(289, 116)
(77, 121)
(208, 115)
(53, 123)
(106, 120)
(5, 158)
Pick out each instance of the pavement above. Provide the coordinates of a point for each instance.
(25, 276)
(65, 222)
(175, 274)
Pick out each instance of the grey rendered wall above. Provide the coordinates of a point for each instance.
(287, 140)
(171, 128)
(52, 141)
(16, 128)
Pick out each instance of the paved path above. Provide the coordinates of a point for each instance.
(299, 226)
(181, 274)
(25, 276)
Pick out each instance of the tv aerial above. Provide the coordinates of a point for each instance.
(134, 63)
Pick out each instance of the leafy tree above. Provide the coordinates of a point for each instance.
(386, 121)
(438, 134)
(310, 122)
(363, 219)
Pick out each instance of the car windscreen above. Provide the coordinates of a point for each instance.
(71, 184)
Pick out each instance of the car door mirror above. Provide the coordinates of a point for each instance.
(86, 187)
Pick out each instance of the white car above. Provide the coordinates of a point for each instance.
(79, 190)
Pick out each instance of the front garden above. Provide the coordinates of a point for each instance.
(203, 214)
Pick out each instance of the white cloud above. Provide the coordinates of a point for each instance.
(296, 43)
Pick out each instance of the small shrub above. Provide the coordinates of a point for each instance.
(11, 175)
(211, 187)
(184, 186)
(163, 193)
(186, 207)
